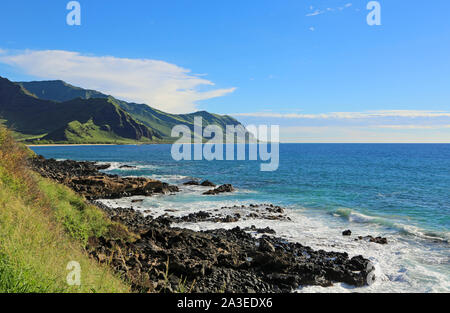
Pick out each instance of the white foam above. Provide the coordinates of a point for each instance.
(134, 166)
(405, 264)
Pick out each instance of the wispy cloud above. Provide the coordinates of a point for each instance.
(157, 83)
(413, 126)
(338, 134)
(315, 12)
(369, 126)
(350, 115)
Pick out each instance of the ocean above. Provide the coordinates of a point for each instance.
(398, 191)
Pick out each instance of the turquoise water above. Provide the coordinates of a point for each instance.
(398, 190)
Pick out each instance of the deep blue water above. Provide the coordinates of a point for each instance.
(400, 183)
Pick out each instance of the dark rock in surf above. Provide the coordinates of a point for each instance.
(379, 240)
(127, 167)
(221, 189)
(218, 260)
(347, 232)
(207, 183)
(191, 183)
(101, 167)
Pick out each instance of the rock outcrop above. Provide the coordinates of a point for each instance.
(347, 232)
(86, 179)
(207, 183)
(219, 260)
(379, 240)
(221, 189)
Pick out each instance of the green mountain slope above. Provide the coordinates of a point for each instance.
(96, 120)
(157, 120)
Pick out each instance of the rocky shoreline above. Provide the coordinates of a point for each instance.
(86, 179)
(219, 260)
(166, 258)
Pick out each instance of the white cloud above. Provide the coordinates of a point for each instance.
(312, 28)
(350, 115)
(316, 12)
(413, 126)
(319, 12)
(369, 126)
(157, 83)
(341, 134)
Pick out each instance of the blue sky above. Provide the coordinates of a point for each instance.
(314, 67)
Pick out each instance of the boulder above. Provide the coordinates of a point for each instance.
(347, 232)
(127, 166)
(379, 240)
(191, 183)
(207, 183)
(221, 189)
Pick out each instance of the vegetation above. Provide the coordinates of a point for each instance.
(61, 94)
(53, 121)
(43, 227)
(57, 90)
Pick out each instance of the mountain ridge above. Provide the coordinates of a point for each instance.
(160, 121)
(27, 114)
(54, 111)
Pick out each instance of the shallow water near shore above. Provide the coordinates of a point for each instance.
(401, 192)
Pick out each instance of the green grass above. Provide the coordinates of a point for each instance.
(43, 227)
(86, 133)
(79, 219)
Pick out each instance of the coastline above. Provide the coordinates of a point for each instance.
(165, 257)
(281, 143)
(71, 145)
(96, 144)
(414, 250)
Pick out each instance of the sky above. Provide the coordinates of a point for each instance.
(316, 68)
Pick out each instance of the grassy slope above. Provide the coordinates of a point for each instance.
(43, 226)
(86, 133)
(164, 122)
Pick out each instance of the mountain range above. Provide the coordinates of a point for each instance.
(54, 111)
